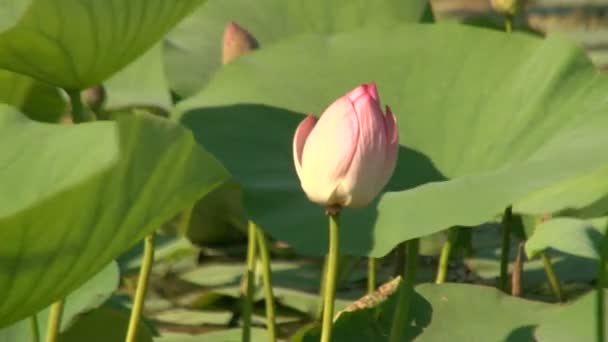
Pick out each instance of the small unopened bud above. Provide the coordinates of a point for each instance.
(94, 97)
(237, 42)
(507, 7)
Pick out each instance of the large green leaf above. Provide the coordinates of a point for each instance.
(447, 312)
(78, 43)
(88, 296)
(35, 99)
(86, 195)
(574, 236)
(484, 119)
(193, 48)
(573, 322)
(140, 84)
(584, 196)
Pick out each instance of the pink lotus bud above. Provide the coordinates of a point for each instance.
(348, 155)
(237, 42)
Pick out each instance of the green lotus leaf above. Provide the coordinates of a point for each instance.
(85, 196)
(75, 44)
(194, 48)
(484, 119)
(570, 235)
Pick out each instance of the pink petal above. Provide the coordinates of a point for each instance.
(299, 140)
(329, 152)
(366, 89)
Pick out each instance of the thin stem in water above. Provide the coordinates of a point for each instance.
(400, 260)
(267, 280)
(249, 281)
(79, 112)
(34, 328)
(554, 282)
(54, 323)
(330, 276)
(518, 268)
(402, 310)
(371, 275)
(507, 220)
(601, 283)
(142, 286)
(444, 258)
(508, 23)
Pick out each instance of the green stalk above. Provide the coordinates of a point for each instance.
(249, 279)
(371, 275)
(34, 328)
(601, 281)
(444, 258)
(554, 283)
(508, 23)
(79, 112)
(319, 313)
(507, 220)
(400, 260)
(54, 323)
(142, 286)
(402, 310)
(267, 280)
(330, 277)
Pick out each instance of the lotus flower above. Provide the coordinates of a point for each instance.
(346, 157)
(237, 42)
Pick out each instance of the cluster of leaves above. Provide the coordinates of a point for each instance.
(487, 121)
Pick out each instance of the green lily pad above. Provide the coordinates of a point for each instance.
(484, 119)
(85, 196)
(105, 324)
(194, 48)
(574, 236)
(37, 100)
(228, 335)
(446, 312)
(76, 44)
(88, 296)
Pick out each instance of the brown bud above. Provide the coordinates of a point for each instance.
(237, 42)
(94, 97)
(507, 7)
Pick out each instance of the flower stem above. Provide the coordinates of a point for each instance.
(249, 279)
(142, 286)
(402, 310)
(330, 277)
(517, 272)
(54, 323)
(554, 283)
(34, 328)
(507, 219)
(267, 279)
(400, 260)
(79, 112)
(601, 282)
(508, 23)
(444, 258)
(319, 313)
(371, 275)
